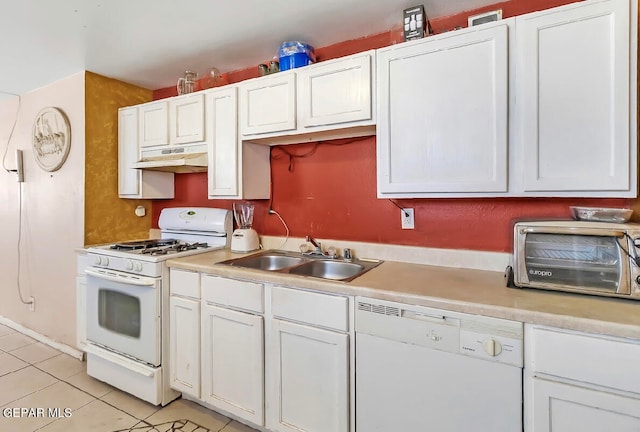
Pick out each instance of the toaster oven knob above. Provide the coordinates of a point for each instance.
(492, 347)
(638, 280)
(129, 265)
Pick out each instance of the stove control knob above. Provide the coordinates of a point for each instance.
(492, 347)
(104, 261)
(137, 266)
(129, 264)
(97, 260)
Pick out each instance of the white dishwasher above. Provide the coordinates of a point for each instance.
(424, 369)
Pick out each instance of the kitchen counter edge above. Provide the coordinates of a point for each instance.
(474, 292)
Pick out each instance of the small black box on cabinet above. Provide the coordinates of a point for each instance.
(414, 23)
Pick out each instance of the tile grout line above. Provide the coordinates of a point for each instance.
(19, 369)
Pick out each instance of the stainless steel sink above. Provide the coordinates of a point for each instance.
(315, 266)
(325, 269)
(267, 262)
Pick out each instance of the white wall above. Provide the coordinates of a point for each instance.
(52, 215)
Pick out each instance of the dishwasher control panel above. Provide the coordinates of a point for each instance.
(491, 347)
(492, 339)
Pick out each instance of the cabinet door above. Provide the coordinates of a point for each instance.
(268, 104)
(574, 92)
(128, 178)
(559, 407)
(442, 115)
(233, 362)
(135, 183)
(184, 343)
(153, 124)
(222, 122)
(337, 91)
(309, 369)
(186, 116)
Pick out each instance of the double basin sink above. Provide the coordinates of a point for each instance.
(317, 266)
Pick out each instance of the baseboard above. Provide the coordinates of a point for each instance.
(42, 338)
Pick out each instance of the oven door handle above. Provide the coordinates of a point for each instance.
(120, 277)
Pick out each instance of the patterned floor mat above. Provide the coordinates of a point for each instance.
(175, 425)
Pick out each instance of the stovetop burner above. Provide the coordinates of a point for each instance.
(173, 248)
(144, 244)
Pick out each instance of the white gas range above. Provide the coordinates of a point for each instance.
(128, 300)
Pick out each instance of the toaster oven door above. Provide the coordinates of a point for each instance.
(598, 264)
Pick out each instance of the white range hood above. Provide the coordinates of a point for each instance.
(177, 158)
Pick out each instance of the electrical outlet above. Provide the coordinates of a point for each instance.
(32, 304)
(406, 215)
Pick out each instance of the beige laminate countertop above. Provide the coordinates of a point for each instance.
(454, 289)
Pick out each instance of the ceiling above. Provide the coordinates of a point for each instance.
(152, 42)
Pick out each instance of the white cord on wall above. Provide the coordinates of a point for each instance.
(4, 157)
(272, 211)
(13, 128)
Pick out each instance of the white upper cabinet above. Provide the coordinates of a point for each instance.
(186, 115)
(223, 151)
(576, 98)
(153, 124)
(268, 104)
(235, 170)
(135, 183)
(335, 92)
(328, 100)
(442, 114)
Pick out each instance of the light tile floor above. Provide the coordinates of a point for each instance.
(44, 390)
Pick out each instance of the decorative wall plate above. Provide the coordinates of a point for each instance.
(51, 138)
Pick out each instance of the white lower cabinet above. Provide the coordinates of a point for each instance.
(184, 331)
(559, 407)
(233, 362)
(310, 372)
(184, 340)
(580, 382)
(308, 361)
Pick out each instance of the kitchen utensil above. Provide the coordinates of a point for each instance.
(188, 83)
(601, 214)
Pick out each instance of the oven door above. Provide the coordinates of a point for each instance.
(123, 313)
(587, 261)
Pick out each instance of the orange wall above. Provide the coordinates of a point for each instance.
(332, 193)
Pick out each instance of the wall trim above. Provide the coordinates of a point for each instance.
(73, 352)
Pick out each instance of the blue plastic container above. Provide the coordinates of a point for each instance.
(294, 61)
(295, 54)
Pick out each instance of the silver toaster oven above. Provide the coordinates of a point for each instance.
(597, 258)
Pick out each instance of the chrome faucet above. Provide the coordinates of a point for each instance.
(317, 245)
